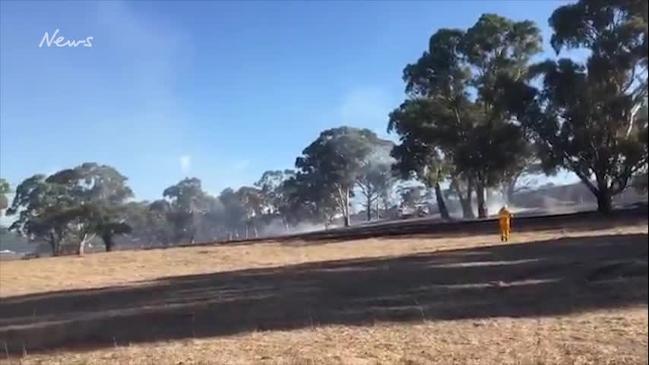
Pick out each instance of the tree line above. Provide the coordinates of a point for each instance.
(478, 114)
(93, 203)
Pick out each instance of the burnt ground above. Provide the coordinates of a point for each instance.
(434, 227)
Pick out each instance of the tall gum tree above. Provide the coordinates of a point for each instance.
(455, 80)
(332, 164)
(586, 117)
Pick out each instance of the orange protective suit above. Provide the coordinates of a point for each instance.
(505, 223)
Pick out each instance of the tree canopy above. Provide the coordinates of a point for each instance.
(454, 112)
(80, 203)
(4, 190)
(333, 163)
(585, 117)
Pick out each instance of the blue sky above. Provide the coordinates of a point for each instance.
(218, 90)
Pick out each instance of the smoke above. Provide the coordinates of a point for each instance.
(380, 155)
(496, 202)
(185, 163)
(276, 227)
(547, 200)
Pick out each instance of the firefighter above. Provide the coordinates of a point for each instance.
(505, 223)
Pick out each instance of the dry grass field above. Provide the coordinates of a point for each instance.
(553, 296)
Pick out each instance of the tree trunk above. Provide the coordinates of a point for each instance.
(369, 207)
(441, 205)
(343, 203)
(346, 213)
(465, 201)
(378, 209)
(82, 244)
(511, 189)
(604, 201)
(54, 244)
(602, 192)
(467, 208)
(482, 207)
(56, 248)
(469, 204)
(108, 242)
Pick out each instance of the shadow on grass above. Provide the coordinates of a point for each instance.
(521, 280)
